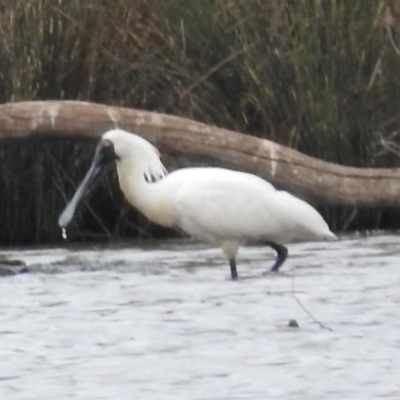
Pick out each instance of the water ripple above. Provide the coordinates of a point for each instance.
(165, 322)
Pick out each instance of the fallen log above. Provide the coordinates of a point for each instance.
(317, 181)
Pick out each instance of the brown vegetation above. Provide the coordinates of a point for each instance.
(320, 77)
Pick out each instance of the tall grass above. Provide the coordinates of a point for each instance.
(319, 76)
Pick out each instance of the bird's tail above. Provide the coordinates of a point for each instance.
(330, 236)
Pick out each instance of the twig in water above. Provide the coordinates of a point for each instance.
(304, 308)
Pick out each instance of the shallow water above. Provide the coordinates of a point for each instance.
(165, 322)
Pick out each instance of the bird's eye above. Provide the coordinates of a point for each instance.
(108, 143)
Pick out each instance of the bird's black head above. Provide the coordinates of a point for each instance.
(105, 153)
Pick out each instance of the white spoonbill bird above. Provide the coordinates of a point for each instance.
(224, 207)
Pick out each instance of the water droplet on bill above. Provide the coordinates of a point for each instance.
(64, 233)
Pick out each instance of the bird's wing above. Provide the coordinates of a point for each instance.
(244, 209)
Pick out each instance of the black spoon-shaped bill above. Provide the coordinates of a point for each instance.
(103, 157)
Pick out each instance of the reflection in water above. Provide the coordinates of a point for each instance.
(166, 322)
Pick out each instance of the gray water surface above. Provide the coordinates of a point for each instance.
(166, 322)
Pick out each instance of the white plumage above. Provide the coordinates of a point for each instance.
(224, 207)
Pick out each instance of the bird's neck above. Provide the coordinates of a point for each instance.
(147, 197)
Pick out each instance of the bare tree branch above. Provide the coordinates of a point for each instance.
(316, 180)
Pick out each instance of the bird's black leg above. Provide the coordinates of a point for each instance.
(282, 253)
(232, 263)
